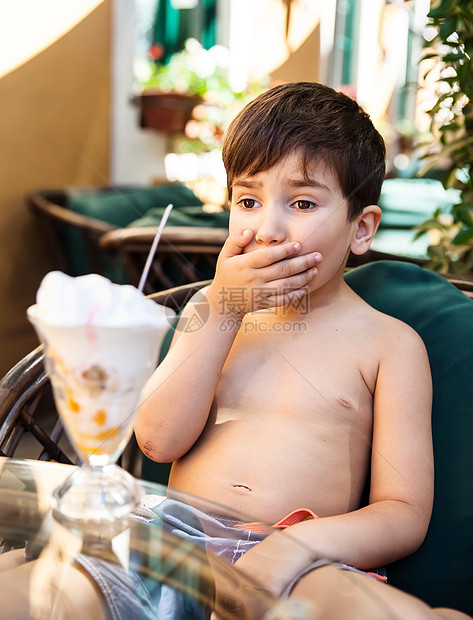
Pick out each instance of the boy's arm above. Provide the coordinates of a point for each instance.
(395, 522)
(176, 400)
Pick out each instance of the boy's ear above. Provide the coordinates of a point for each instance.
(366, 226)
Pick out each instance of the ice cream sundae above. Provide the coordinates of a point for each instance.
(101, 342)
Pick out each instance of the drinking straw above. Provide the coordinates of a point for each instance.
(154, 246)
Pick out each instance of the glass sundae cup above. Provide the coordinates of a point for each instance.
(98, 363)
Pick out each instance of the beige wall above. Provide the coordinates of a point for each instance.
(303, 63)
(54, 132)
(282, 38)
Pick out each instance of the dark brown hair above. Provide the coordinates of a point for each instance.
(324, 125)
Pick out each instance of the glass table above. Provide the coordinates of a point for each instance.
(139, 544)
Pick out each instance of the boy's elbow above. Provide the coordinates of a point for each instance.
(418, 530)
(162, 449)
(149, 449)
(143, 434)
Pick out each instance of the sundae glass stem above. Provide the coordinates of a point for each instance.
(96, 494)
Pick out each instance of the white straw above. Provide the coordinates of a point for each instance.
(154, 246)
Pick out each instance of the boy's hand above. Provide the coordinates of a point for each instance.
(279, 274)
(270, 566)
(236, 596)
(276, 561)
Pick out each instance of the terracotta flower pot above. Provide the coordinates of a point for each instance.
(168, 112)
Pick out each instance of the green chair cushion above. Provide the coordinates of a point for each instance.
(184, 216)
(118, 206)
(121, 206)
(409, 202)
(441, 570)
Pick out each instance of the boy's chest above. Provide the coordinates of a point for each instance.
(308, 375)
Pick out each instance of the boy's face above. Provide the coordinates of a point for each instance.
(279, 206)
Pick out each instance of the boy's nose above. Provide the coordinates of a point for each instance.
(270, 231)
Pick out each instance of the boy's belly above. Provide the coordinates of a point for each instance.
(265, 469)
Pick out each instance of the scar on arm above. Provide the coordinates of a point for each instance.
(148, 448)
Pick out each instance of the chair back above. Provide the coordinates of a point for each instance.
(29, 423)
(72, 238)
(440, 572)
(440, 309)
(185, 254)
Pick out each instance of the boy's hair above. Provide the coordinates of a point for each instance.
(323, 125)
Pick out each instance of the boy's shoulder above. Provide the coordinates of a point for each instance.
(387, 328)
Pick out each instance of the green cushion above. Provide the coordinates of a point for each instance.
(121, 206)
(409, 202)
(185, 216)
(441, 570)
(118, 206)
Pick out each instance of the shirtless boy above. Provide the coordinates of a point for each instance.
(295, 391)
(267, 419)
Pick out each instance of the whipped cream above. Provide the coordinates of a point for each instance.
(93, 300)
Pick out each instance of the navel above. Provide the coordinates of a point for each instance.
(242, 488)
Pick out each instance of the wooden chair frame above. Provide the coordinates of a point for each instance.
(26, 406)
(190, 251)
(49, 207)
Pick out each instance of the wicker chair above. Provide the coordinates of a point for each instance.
(29, 423)
(49, 206)
(27, 410)
(186, 254)
(28, 414)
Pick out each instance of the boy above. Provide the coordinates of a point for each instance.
(294, 392)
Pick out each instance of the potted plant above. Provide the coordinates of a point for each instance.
(450, 52)
(192, 91)
(168, 112)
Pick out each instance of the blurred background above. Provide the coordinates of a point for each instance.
(112, 93)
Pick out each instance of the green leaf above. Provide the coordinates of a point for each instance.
(450, 80)
(464, 236)
(449, 127)
(440, 10)
(453, 56)
(447, 28)
(464, 214)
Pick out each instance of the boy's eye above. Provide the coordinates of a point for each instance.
(303, 205)
(248, 203)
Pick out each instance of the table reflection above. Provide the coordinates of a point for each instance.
(147, 554)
